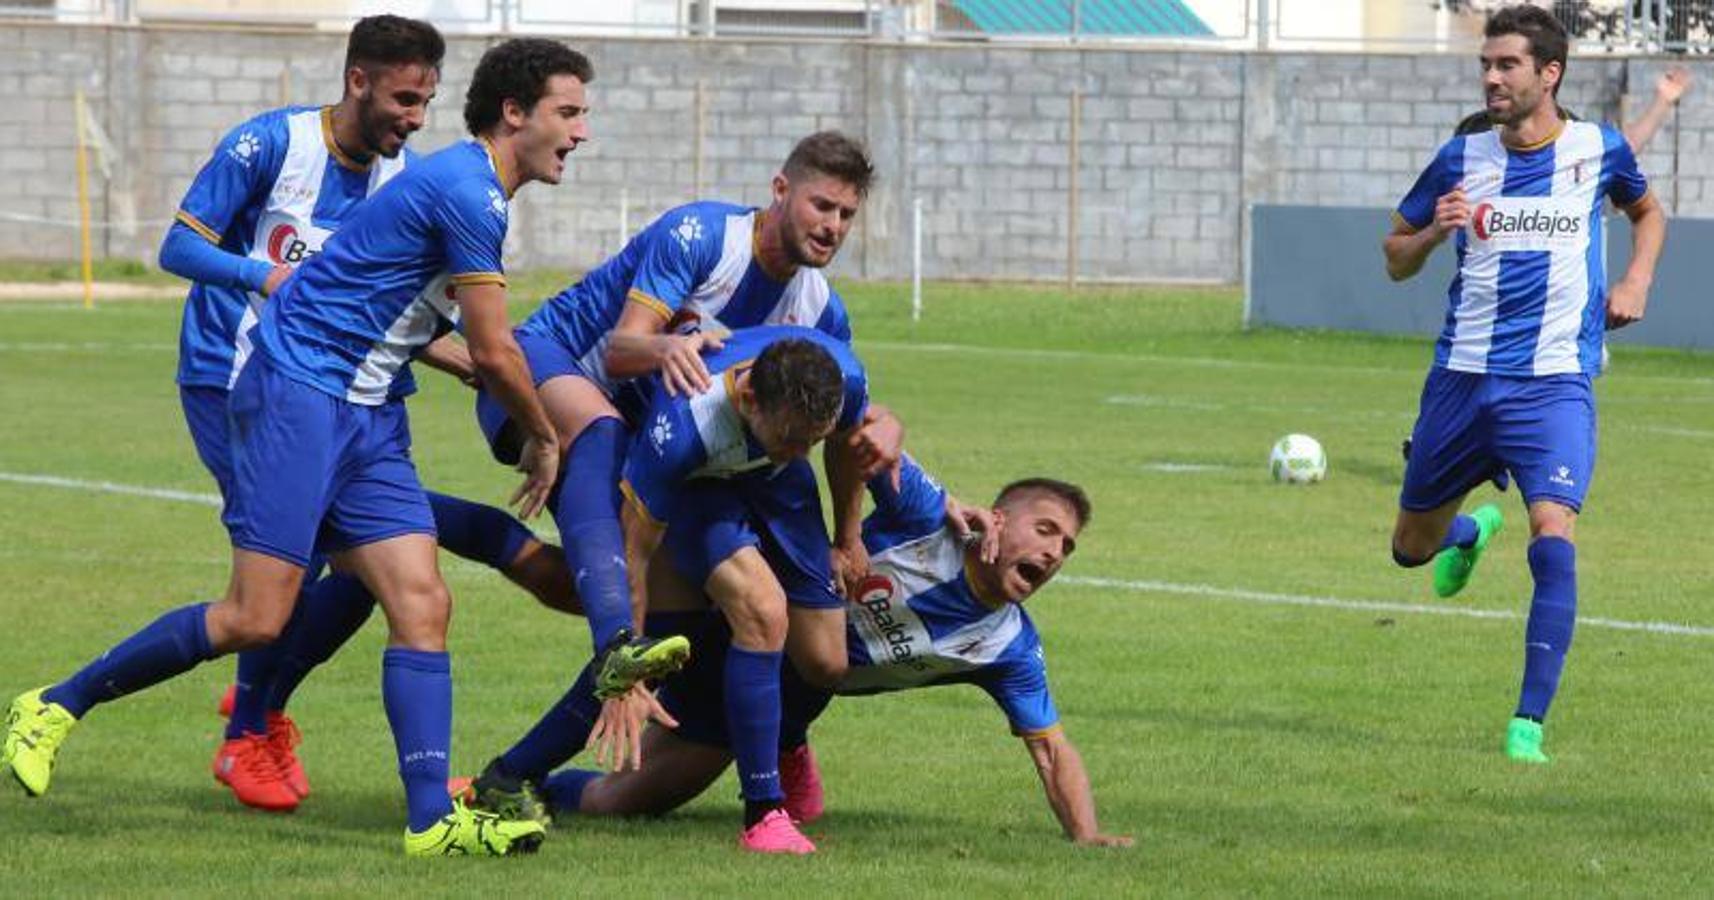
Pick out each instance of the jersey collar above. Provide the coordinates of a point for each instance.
(499, 167)
(333, 145)
(1558, 129)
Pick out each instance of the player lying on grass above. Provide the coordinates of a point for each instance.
(321, 445)
(935, 609)
(642, 313)
(707, 467)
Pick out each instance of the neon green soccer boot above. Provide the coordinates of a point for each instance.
(468, 832)
(1452, 566)
(628, 660)
(512, 798)
(34, 731)
(1523, 741)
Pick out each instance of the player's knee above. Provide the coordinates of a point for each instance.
(1552, 520)
(758, 618)
(1407, 559)
(250, 628)
(420, 619)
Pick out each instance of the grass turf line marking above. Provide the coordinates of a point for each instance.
(108, 487)
(1159, 587)
(1264, 597)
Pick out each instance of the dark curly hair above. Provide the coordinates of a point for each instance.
(393, 41)
(799, 379)
(518, 70)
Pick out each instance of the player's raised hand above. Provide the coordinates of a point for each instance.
(1626, 301)
(974, 525)
(540, 464)
(618, 734)
(1451, 212)
(1672, 84)
(682, 369)
(878, 443)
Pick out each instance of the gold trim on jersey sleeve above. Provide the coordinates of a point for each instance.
(653, 305)
(195, 224)
(1039, 734)
(466, 279)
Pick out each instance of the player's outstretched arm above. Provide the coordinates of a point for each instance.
(449, 355)
(1667, 92)
(1067, 785)
(1408, 248)
(637, 347)
(1627, 299)
(500, 365)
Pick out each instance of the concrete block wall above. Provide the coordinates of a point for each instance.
(1172, 145)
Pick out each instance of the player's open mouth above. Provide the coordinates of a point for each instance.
(1032, 574)
(820, 243)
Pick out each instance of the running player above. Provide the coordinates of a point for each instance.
(320, 441)
(1510, 388)
(933, 611)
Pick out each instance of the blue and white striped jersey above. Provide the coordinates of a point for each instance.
(694, 265)
(702, 436)
(275, 188)
(915, 621)
(349, 319)
(1530, 295)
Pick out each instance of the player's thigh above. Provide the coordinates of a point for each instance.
(668, 590)
(1450, 451)
(747, 592)
(711, 542)
(1417, 534)
(815, 643)
(785, 513)
(675, 771)
(1545, 430)
(571, 398)
(258, 603)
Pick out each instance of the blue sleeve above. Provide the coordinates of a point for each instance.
(244, 164)
(189, 255)
(678, 251)
(1625, 182)
(664, 452)
(1417, 208)
(856, 400)
(471, 220)
(1018, 683)
(834, 321)
(917, 507)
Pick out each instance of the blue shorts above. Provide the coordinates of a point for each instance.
(311, 470)
(205, 416)
(1471, 427)
(547, 359)
(780, 514)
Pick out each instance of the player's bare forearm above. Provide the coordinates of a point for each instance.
(1068, 793)
(496, 359)
(845, 486)
(633, 344)
(1638, 133)
(448, 355)
(1648, 236)
(1406, 251)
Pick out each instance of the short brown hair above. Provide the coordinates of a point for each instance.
(799, 378)
(834, 155)
(1064, 491)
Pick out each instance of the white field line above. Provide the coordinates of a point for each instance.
(1157, 587)
(1208, 362)
(83, 347)
(1184, 468)
(1272, 599)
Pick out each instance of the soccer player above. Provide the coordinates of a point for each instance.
(321, 444)
(933, 611)
(657, 306)
(724, 474)
(276, 186)
(1510, 388)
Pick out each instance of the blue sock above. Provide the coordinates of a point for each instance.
(560, 734)
(329, 612)
(753, 721)
(253, 685)
(173, 644)
(1553, 616)
(565, 789)
(416, 686)
(586, 509)
(1463, 533)
(478, 532)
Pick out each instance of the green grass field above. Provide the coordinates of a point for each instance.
(1253, 741)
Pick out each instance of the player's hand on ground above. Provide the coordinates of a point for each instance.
(618, 734)
(850, 567)
(1673, 83)
(1451, 212)
(1107, 840)
(682, 369)
(275, 278)
(878, 444)
(540, 464)
(1625, 303)
(974, 525)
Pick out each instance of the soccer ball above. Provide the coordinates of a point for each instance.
(1298, 459)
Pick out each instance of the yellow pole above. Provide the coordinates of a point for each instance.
(83, 205)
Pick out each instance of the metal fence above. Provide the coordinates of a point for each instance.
(1611, 26)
